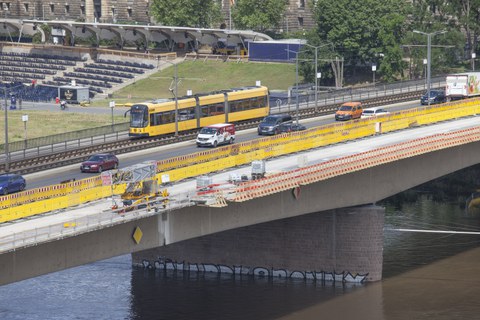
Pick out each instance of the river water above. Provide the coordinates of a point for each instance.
(425, 276)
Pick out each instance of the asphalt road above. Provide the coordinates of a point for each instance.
(54, 176)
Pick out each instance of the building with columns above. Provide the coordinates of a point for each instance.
(298, 15)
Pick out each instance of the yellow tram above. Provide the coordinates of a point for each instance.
(148, 119)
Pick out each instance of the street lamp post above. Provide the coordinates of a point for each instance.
(474, 55)
(297, 104)
(425, 72)
(176, 99)
(374, 68)
(112, 105)
(429, 54)
(25, 120)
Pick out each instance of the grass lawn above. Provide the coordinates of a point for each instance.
(45, 123)
(200, 76)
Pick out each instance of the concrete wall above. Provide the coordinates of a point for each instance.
(318, 245)
(70, 252)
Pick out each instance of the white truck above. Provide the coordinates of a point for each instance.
(462, 85)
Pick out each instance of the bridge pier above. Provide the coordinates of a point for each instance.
(341, 244)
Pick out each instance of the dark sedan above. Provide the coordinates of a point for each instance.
(436, 96)
(291, 126)
(11, 183)
(99, 163)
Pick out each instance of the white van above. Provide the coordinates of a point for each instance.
(216, 134)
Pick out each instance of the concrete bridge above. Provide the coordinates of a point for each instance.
(317, 220)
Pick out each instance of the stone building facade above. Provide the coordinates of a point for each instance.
(298, 15)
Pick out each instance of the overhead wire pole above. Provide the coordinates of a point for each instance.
(297, 105)
(176, 100)
(175, 94)
(316, 67)
(7, 155)
(429, 56)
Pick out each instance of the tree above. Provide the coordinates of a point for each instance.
(258, 15)
(187, 13)
(464, 13)
(364, 31)
(430, 16)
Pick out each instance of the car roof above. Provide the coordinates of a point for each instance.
(219, 125)
(9, 175)
(352, 103)
(373, 108)
(283, 115)
(102, 154)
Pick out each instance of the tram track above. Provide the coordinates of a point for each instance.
(77, 155)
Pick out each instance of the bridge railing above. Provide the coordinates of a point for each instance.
(292, 179)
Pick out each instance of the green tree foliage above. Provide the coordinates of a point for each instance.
(187, 13)
(447, 50)
(464, 14)
(364, 31)
(258, 15)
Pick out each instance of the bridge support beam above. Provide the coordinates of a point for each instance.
(342, 244)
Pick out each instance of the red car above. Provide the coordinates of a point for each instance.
(99, 163)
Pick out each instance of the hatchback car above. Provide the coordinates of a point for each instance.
(11, 182)
(436, 96)
(290, 127)
(373, 112)
(99, 163)
(269, 124)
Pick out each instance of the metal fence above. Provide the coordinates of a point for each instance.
(86, 134)
(286, 101)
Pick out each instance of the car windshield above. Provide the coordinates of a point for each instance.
(368, 111)
(208, 130)
(270, 120)
(96, 158)
(345, 108)
(3, 178)
(433, 93)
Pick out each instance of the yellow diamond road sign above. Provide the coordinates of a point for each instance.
(137, 235)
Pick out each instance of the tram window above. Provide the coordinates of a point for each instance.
(218, 109)
(167, 117)
(212, 110)
(234, 106)
(186, 114)
(155, 119)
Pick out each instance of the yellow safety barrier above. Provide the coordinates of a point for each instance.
(61, 196)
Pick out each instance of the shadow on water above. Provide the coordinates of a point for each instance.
(195, 295)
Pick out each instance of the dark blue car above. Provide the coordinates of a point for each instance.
(436, 96)
(11, 182)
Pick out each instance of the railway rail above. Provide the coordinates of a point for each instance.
(77, 155)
